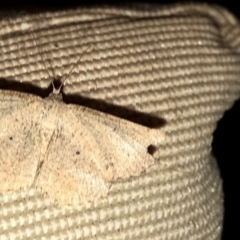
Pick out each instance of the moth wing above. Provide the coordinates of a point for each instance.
(11, 101)
(87, 151)
(70, 173)
(123, 143)
(19, 140)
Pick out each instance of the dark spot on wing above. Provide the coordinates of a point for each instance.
(40, 164)
(151, 149)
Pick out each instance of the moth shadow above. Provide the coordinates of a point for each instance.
(26, 87)
(123, 112)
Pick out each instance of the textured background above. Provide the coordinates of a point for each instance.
(224, 138)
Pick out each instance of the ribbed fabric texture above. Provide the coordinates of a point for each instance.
(179, 63)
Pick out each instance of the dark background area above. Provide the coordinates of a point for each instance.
(226, 145)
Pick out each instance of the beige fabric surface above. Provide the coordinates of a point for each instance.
(177, 62)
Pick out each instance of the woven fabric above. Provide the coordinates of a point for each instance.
(179, 63)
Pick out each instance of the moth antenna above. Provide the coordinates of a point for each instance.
(43, 62)
(71, 70)
(40, 53)
(57, 91)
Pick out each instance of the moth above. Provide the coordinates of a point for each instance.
(69, 152)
